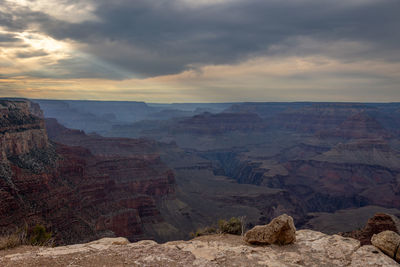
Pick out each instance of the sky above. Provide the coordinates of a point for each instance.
(201, 50)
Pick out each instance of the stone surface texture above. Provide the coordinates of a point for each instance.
(280, 230)
(388, 242)
(311, 249)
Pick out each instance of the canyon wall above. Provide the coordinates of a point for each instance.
(76, 194)
(20, 130)
(255, 159)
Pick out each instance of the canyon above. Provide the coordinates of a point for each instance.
(78, 195)
(325, 157)
(160, 177)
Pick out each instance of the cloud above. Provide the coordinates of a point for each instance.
(8, 38)
(159, 37)
(313, 78)
(126, 41)
(30, 54)
(73, 11)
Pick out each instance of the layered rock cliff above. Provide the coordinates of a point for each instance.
(98, 145)
(76, 194)
(358, 126)
(20, 130)
(204, 124)
(207, 123)
(321, 178)
(198, 201)
(319, 116)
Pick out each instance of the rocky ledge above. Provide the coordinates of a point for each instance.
(310, 249)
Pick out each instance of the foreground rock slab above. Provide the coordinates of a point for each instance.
(280, 230)
(311, 249)
(388, 242)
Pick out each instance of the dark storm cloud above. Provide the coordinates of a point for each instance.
(156, 37)
(38, 53)
(17, 19)
(8, 38)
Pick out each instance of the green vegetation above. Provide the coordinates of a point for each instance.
(39, 236)
(35, 236)
(233, 226)
(204, 231)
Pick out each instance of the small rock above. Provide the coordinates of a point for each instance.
(388, 242)
(280, 230)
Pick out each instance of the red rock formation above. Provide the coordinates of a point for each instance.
(378, 223)
(20, 131)
(317, 116)
(34, 109)
(357, 126)
(374, 152)
(207, 123)
(328, 186)
(99, 145)
(79, 196)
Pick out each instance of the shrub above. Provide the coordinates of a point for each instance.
(204, 231)
(233, 226)
(38, 236)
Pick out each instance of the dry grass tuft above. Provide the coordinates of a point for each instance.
(34, 236)
(12, 240)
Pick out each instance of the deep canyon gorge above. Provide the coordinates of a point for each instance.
(160, 172)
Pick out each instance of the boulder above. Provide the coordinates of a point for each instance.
(388, 242)
(378, 223)
(280, 230)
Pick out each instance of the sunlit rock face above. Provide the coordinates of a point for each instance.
(20, 130)
(77, 195)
